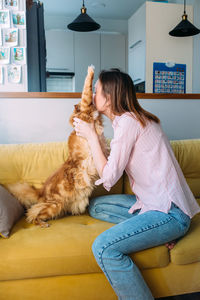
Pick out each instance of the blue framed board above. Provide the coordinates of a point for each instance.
(169, 78)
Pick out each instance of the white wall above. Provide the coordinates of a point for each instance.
(160, 46)
(46, 120)
(179, 117)
(37, 120)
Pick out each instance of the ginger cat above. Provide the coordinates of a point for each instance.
(69, 188)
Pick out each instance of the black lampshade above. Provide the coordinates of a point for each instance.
(83, 22)
(184, 28)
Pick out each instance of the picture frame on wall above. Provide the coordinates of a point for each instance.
(1, 75)
(19, 55)
(4, 18)
(1, 37)
(19, 19)
(11, 4)
(4, 55)
(10, 37)
(14, 73)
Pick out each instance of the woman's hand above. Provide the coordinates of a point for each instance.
(87, 131)
(84, 129)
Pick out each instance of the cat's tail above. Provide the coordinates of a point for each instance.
(26, 194)
(87, 93)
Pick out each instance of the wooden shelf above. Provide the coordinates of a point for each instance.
(78, 95)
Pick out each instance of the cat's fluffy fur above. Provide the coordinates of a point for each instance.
(68, 189)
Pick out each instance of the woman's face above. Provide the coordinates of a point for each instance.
(100, 101)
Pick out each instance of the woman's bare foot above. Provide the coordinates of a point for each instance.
(170, 245)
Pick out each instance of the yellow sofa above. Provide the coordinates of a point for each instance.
(57, 263)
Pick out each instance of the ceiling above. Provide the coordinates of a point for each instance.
(107, 9)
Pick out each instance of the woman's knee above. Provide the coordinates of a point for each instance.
(97, 246)
(101, 244)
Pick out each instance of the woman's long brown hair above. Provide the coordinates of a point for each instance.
(122, 93)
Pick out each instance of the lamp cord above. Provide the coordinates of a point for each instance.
(184, 7)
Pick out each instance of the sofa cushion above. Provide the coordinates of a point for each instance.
(10, 212)
(127, 187)
(187, 250)
(65, 248)
(31, 163)
(187, 153)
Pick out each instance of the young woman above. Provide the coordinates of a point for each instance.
(163, 204)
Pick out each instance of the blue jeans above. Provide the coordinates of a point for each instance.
(132, 233)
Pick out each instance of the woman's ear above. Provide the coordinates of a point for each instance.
(108, 101)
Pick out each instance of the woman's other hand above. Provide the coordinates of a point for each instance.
(87, 131)
(84, 129)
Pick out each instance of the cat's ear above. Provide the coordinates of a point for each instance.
(74, 114)
(87, 93)
(77, 108)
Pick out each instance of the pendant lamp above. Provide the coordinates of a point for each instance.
(184, 28)
(83, 22)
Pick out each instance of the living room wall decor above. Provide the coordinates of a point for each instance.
(13, 46)
(169, 78)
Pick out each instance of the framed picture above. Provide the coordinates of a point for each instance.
(1, 4)
(4, 18)
(4, 55)
(1, 75)
(14, 73)
(0, 37)
(19, 55)
(19, 19)
(10, 37)
(11, 4)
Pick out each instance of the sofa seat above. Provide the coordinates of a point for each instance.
(187, 250)
(64, 248)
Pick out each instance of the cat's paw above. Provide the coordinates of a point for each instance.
(91, 67)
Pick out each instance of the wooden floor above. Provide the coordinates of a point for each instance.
(195, 296)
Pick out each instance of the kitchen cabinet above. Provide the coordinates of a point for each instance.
(136, 45)
(60, 50)
(75, 51)
(113, 51)
(137, 61)
(87, 52)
